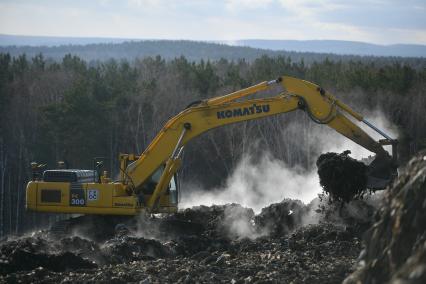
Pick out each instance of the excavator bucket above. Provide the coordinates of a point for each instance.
(345, 178)
(381, 172)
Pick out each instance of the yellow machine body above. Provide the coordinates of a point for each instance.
(89, 198)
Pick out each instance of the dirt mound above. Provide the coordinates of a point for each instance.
(356, 214)
(341, 176)
(396, 244)
(217, 220)
(330, 249)
(125, 249)
(315, 254)
(201, 244)
(282, 218)
(30, 253)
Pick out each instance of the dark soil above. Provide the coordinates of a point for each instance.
(230, 244)
(341, 176)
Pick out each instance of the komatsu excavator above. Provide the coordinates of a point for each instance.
(148, 181)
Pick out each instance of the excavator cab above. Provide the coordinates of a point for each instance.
(148, 187)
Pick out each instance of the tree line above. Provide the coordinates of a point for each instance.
(74, 110)
(193, 51)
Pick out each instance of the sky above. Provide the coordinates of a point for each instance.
(374, 21)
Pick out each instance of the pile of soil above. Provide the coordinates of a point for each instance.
(215, 219)
(33, 252)
(395, 249)
(230, 243)
(282, 218)
(317, 254)
(341, 176)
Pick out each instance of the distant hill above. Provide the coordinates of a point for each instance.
(94, 49)
(336, 47)
(315, 46)
(129, 50)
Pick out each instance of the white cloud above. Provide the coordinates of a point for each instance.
(144, 3)
(234, 5)
(219, 20)
(305, 8)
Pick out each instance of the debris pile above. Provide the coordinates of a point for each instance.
(396, 244)
(341, 176)
(281, 218)
(217, 220)
(229, 243)
(31, 253)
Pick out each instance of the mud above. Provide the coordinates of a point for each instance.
(341, 176)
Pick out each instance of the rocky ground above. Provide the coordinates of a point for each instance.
(375, 240)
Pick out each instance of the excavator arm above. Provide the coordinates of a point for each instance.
(165, 150)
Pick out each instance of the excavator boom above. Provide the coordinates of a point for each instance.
(321, 107)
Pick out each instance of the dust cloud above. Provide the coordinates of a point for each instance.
(378, 119)
(256, 183)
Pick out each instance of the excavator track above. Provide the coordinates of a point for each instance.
(100, 227)
(95, 227)
(60, 229)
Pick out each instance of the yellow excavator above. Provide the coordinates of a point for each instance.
(148, 181)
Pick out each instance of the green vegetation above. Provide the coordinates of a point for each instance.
(74, 110)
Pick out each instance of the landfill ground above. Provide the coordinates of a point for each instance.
(230, 244)
(378, 239)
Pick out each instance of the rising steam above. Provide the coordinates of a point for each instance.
(258, 183)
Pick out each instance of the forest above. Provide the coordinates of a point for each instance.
(72, 109)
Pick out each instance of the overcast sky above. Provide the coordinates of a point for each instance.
(375, 21)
